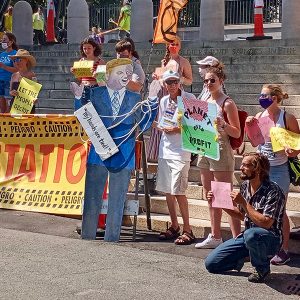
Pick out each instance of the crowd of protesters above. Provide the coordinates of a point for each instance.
(261, 201)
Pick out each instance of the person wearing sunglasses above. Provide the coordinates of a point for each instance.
(204, 64)
(176, 62)
(24, 62)
(270, 100)
(221, 170)
(9, 45)
(173, 162)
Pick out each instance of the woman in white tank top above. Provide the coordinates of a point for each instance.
(270, 100)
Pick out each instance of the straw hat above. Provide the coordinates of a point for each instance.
(22, 53)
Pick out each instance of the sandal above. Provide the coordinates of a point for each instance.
(186, 238)
(170, 234)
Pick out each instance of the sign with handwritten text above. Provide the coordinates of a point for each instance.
(221, 195)
(28, 91)
(83, 68)
(96, 131)
(198, 131)
(282, 138)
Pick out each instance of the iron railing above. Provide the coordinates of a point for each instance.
(236, 12)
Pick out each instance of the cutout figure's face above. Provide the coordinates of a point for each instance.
(119, 77)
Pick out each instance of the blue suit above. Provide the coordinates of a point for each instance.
(119, 166)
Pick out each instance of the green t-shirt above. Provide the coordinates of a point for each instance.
(38, 21)
(125, 22)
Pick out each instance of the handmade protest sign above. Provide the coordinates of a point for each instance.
(96, 131)
(198, 131)
(100, 74)
(83, 68)
(282, 138)
(28, 91)
(221, 192)
(254, 133)
(265, 124)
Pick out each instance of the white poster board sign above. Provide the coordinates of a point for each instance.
(96, 131)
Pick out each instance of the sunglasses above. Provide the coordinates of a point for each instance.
(264, 95)
(173, 44)
(172, 81)
(212, 80)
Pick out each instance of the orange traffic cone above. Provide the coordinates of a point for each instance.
(50, 22)
(102, 217)
(258, 22)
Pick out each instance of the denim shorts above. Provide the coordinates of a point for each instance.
(4, 88)
(280, 174)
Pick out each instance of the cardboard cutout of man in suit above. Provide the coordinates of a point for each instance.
(112, 102)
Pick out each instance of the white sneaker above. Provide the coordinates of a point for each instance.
(209, 243)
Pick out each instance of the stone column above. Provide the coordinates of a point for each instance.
(212, 20)
(290, 19)
(78, 21)
(22, 23)
(141, 26)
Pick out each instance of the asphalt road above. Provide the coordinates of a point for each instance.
(42, 257)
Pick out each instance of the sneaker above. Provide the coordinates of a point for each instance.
(280, 258)
(257, 277)
(209, 243)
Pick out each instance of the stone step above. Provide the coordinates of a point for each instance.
(53, 68)
(52, 110)
(54, 85)
(55, 103)
(56, 94)
(198, 209)
(67, 77)
(201, 228)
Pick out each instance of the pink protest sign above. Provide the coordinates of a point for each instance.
(221, 192)
(265, 124)
(254, 133)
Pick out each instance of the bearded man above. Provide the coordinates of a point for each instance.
(260, 204)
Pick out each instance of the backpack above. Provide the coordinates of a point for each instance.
(294, 164)
(235, 143)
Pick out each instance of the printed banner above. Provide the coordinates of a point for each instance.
(198, 127)
(166, 25)
(43, 163)
(282, 138)
(83, 68)
(28, 91)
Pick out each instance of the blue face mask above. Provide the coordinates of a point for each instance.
(265, 101)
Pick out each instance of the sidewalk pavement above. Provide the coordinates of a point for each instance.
(42, 257)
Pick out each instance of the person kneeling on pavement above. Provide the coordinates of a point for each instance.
(260, 203)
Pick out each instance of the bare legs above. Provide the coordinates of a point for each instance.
(184, 210)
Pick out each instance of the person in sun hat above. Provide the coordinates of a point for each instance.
(208, 61)
(173, 161)
(24, 62)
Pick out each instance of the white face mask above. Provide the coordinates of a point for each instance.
(4, 45)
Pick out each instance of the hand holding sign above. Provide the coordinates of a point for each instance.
(27, 94)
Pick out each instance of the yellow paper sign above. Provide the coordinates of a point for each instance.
(28, 91)
(282, 138)
(83, 68)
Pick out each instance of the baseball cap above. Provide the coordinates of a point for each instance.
(170, 74)
(208, 61)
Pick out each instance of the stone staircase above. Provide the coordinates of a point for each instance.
(248, 66)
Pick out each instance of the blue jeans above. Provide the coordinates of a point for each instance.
(280, 174)
(95, 180)
(258, 243)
